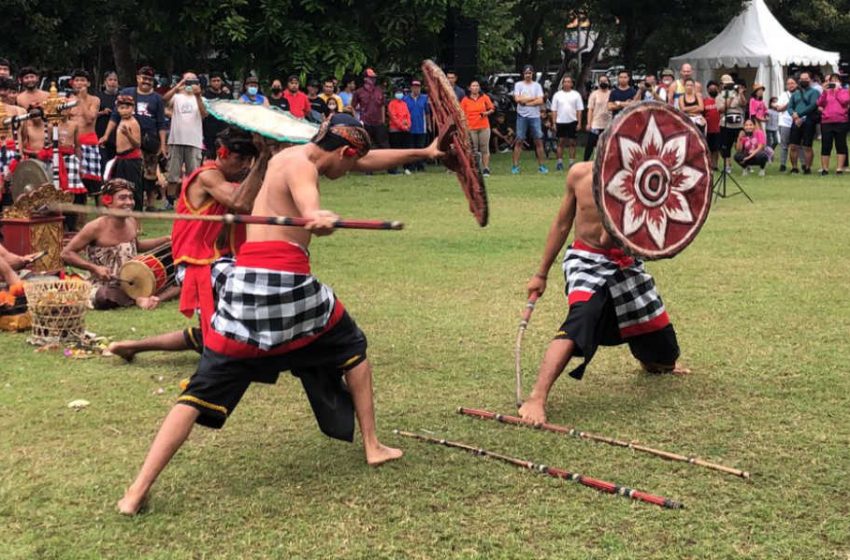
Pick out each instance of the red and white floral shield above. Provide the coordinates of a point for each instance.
(652, 180)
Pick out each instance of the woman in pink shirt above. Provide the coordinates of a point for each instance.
(751, 148)
(832, 104)
(758, 109)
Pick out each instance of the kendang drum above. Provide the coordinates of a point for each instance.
(149, 273)
(652, 180)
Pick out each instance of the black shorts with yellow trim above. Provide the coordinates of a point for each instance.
(194, 338)
(593, 323)
(220, 381)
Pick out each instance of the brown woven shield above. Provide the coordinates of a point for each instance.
(652, 180)
(454, 140)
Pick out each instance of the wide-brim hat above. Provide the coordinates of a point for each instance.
(726, 79)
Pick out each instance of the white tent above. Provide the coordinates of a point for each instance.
(758, 48)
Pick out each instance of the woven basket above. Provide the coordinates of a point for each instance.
(58, 309)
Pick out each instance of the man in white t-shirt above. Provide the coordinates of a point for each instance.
(186, 138)
(567, 106)
(528, 95)
(785, 120)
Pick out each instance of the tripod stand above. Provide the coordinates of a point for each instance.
(721, 182)
(720, 185)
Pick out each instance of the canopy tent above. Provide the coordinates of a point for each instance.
(756, 47)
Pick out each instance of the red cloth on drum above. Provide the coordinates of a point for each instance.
(193, 242)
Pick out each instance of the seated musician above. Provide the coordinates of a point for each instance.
(10, 263)
(109, 242)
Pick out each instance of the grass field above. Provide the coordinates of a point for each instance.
(762, 312)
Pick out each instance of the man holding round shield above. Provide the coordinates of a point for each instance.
(647, 194)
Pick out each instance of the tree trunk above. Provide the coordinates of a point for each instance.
(592, 57)
(124, 64)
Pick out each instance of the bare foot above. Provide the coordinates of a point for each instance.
(132, 503)
(122, 349)
(382, 454)
(679, 369)
(533, 410)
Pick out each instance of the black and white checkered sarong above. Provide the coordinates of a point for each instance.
(266, 308)
(72, 168)
(632, 289)
(90, 162)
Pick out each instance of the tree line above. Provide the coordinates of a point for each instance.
(332, 37)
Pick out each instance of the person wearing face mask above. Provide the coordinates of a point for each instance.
(399, 116)
(833, 104)
(803, 109)
(30, 95)
(150, 113)
(712, 122)
(277, 99)
(252, 94)
(598, 115)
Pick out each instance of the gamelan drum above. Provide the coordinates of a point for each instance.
(147, 274)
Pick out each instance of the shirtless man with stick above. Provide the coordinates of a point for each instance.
(597, 273)
(256, 332)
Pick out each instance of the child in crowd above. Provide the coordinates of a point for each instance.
(772, 124)
(503, 135)
(758, 110)
(550, 142)
(128, 155)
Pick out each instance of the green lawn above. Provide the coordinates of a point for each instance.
(760, 305)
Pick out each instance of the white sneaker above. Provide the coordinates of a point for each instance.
(407, 172)
(745, 172)
(761, 172)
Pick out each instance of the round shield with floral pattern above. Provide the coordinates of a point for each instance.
(652, 180)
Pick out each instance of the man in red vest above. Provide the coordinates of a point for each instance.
(211, 191)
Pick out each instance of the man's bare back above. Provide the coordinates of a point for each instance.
(290, 173)
(588, 221)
